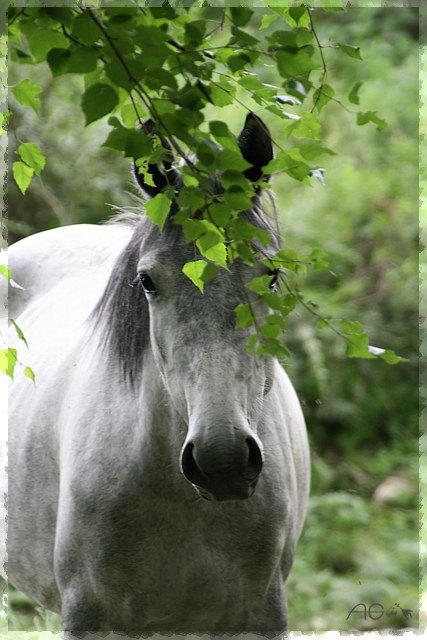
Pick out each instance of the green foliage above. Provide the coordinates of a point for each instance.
(166, 65)
(8, 360)
(26, 93)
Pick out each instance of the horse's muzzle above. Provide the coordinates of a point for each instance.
(223, 474)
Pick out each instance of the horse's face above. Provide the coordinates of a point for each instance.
(214, 384)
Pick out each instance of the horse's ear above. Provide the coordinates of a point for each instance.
(162, 175)
(255, 146)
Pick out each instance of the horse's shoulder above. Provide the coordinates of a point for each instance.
(37, 263)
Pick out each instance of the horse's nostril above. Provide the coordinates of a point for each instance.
(189, 466)
(254, 466)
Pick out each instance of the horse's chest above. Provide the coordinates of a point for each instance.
(170, 563)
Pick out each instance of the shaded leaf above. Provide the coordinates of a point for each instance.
(98, 100)
(244, 316)
(240, 15)
(353, 96)
(84, 29)
(353, 52)
(58, 60)
(295, 62)
(371, 116)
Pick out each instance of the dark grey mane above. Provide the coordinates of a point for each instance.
(121, 315)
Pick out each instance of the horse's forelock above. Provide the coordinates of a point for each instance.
(121, 316)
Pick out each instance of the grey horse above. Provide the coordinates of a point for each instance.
(158, 472)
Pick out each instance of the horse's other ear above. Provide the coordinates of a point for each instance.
(163, 175)
(255, 146)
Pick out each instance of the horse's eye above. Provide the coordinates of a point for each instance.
(147, 283)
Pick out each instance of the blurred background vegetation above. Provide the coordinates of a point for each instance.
(360, 542)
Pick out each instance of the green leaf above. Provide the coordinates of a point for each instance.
(62, 15)
(260, 284)
(8, 360)
(238, 61)
(353, 52)
(240, 15)
(82, 60)
(371, 116)
(4, 271)
(215, 252)
(85, 30)
(244, 316)
(30, 153)
(142, 165)
(219, 129)
(222, 93)
(307, 127)
(300, 15)
(158, 208)
(267, 20)
(19, 331)
(270, 330)
(200, 272)
(23, 175)
(58, 60)
(357, 347)
(26, 93)
(293, 62)
(312, 150)
(30, 373)
(98, 100)
(195, 32)
(391, 357)
(251, 342)
(43, 40)
(353, 96)
(295, 39)
(322, 96)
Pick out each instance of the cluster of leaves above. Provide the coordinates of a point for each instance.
(170, 65)
(9, 355)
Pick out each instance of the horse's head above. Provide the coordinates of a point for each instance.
(214, 384)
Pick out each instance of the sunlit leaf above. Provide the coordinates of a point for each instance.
(30, 373)
(26, 93)
(158, 208)
(4, 271)
(200, 272)
(31, 154)
(350, 50)
(8, 360)
(23, 175)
